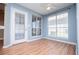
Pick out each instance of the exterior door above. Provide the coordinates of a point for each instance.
(19, 26)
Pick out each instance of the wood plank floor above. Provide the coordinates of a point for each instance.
(39, 47)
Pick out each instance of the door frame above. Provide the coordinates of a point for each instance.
(12, 33)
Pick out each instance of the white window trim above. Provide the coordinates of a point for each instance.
(56, 24)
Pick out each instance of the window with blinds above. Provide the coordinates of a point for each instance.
(58, 25)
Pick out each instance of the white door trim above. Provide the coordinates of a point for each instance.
(12, 33)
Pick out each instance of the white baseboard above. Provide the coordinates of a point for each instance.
(43, 38)
(72, 43)
(7, 46)
(33, 39)
(19, 41)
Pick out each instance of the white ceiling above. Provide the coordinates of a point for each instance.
(41, 7)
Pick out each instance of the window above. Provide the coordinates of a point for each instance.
(33, 26)
(58, 25)
(36, 26)
(52, 26)
(62, 25)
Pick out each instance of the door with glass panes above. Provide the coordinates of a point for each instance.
(20, 26)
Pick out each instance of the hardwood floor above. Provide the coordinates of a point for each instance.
(39, 47)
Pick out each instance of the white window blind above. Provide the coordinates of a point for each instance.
(58, 25)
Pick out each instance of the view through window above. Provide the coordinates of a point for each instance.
(58, 25)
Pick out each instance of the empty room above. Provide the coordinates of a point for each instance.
(39, 29)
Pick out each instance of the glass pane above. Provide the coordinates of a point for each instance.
(52, 21)
(33, 25)
(36, 25)
(33, 31)
(38, 22)
(62, 20)
(52, 31)
(38, 31)
(62, 32)
(19, 26)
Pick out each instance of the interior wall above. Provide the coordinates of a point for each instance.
(30, 13)
(71, 25)
(7, 40)
(7, 25)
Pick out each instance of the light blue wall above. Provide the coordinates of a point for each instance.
(7, 40)
(72, 24)
(7, 25)
(45, 26)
